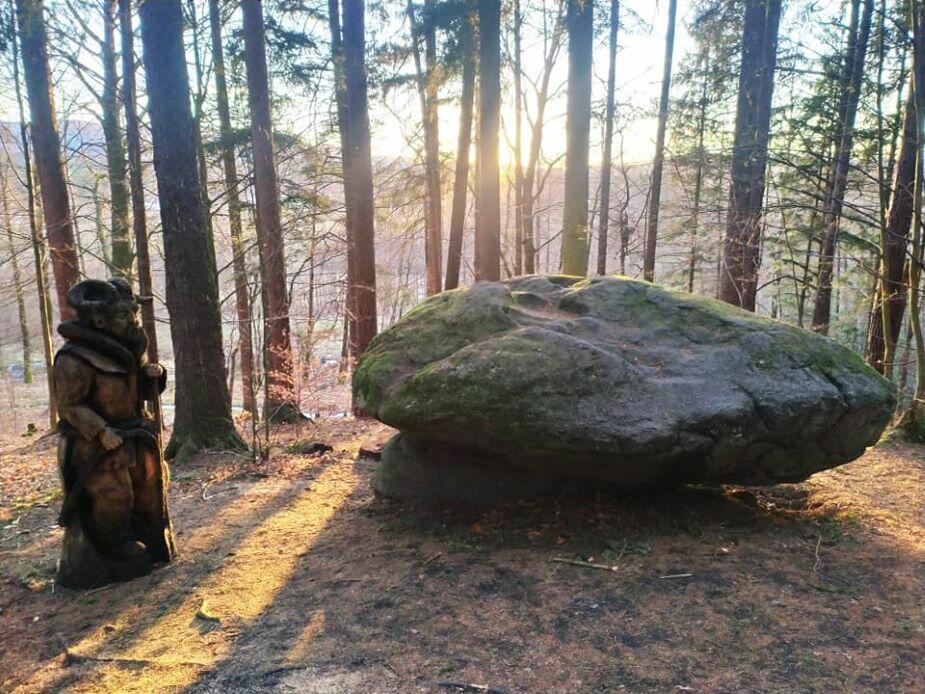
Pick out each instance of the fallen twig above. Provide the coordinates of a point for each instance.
(585, 564)
(466, 687)
(671, 576)
(436, 556)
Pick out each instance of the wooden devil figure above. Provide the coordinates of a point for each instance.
(109, 455)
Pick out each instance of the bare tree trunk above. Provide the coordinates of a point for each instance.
(136, 181)
(655, 192)
(427, 93)
(199, 98)
(536, 142)
(891, 303)
(698, 175)
(518, 146)
(739, 276)
(121, 252)
(56, 206)
(203, 408)
(914, 418)
(340, 88)
(242, 303)
(606, 160)
(852, 80)
(580, 23)
(38, 243)
(488, 220)
(17, 278)
(461, 181)
(359, 165)
(281, 404)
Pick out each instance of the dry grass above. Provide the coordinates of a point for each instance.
(292, 577)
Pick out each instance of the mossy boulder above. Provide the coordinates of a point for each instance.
(513, 387)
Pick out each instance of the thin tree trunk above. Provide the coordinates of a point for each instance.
(121, 251)
(518, 146)
(914, 418)
(655, 193)
(580, 23)
(136, 181)
(56, 206)
(852, 79)
(606, 160)
(894, 242)
(199, 98)
(739, 276)
(488, 220)
(536, 142)
(281, 404)
(340, 87)
(698, 175)
(359, 157)
(242, 302)
(203, 408)
(17, 278)
(427, 93)
(461, 181)
(38, 243)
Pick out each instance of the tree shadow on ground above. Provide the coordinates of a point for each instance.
(301, 580)
(719, 589)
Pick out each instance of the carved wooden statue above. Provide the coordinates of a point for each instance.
(110, 458)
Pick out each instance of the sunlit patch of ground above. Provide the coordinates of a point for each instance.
(292, 577)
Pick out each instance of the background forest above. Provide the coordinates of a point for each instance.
(346, 168)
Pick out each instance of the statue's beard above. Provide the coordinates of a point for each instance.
(136, 340)
(133, 337)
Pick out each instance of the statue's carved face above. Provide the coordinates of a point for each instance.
(119, 319)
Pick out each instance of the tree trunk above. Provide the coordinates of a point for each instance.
(281, 402)
(358, 156)
(242, 302)
(891, 303)
(518, 146)
(56, 206)
(913, 420)
(121, 250)
(203, 408)
(488, 220)
(698, 172)
(536, 142)
(427, 93)
(340, 98)
(38, 244)
(17, 278)
(852, 81)
(580, 23)
(606, 161)
(658, 162)
(739, 276)
(461, 181)
(136, 181)
(199, 98)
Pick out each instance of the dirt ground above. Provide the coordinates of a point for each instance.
(294, 578)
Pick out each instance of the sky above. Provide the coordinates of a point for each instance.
(640, 60)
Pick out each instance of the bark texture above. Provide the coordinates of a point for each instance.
(46, 145)
(488, 219)
(203, 408)
(579, 21)
(281, 403)
(741, 246)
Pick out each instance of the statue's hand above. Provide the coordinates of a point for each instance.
(110, 439)
(153, 370)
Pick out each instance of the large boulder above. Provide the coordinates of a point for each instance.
(518, 387)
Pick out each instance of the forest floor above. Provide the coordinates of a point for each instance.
(293, 577)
